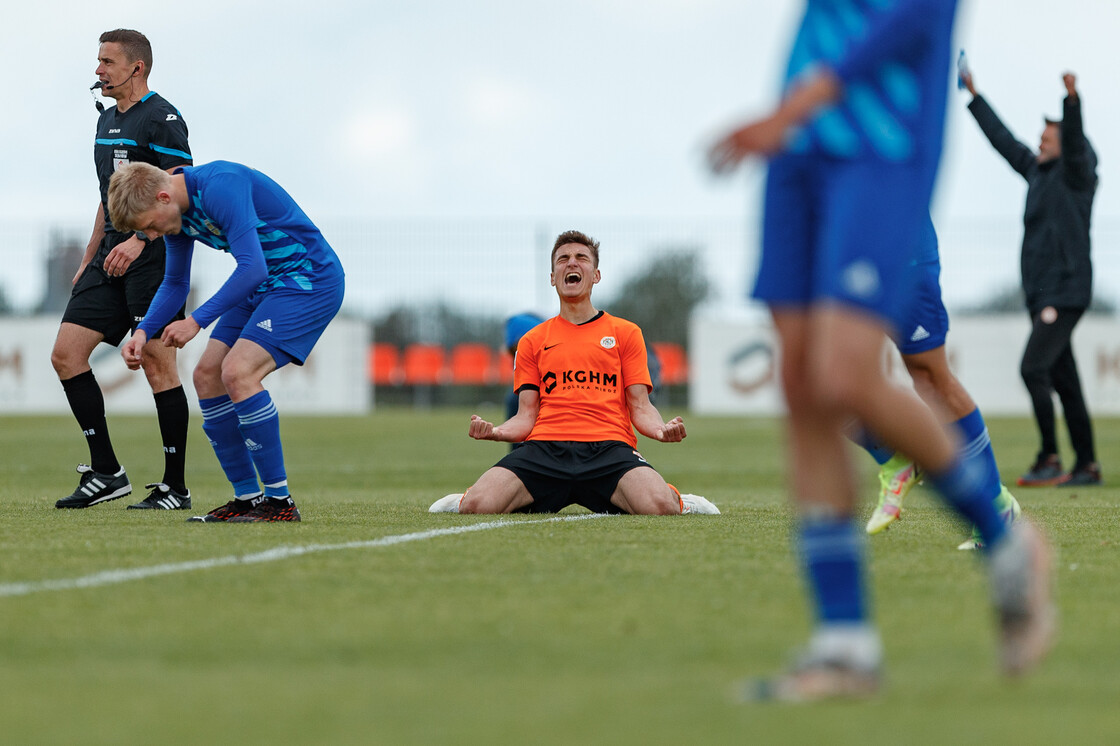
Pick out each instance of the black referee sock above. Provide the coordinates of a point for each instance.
(173, 414)
(88, 405)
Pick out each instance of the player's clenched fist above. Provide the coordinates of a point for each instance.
(673, 431)
(480, 429)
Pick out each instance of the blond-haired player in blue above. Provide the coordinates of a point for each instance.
(856, 142)
(287, 286)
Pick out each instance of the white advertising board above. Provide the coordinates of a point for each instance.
(332, 381)
(733, 364)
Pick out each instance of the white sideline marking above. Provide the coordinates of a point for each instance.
(112, 577)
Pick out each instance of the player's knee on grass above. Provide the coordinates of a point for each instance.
(497, 491)
(483, 502)
(642, 491)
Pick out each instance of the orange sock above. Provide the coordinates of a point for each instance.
(678, 494)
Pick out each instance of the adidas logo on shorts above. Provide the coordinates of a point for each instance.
(919, 334)
(266, 325)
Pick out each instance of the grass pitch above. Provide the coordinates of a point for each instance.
(605, 630)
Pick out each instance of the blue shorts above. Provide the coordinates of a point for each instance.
(285, 321)
(844, 231)
(927, 324)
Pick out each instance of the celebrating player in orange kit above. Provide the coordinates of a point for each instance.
(583, 388)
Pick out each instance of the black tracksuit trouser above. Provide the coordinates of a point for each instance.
(1048, 366)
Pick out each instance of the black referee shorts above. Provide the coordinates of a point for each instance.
(562, 473)
(114, 306)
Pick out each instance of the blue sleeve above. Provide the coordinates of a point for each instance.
(172, 293)
(229, 199)
(902, 33)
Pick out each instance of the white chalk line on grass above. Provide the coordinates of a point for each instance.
(112, 577)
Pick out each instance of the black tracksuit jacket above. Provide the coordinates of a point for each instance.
(1055, 265)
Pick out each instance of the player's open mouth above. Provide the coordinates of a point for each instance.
(572, 278)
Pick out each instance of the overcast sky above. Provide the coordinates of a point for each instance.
(505, 109)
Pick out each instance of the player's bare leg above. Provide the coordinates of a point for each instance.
(73, 347)
(943, 393)
(642, 491)
(160, 366)
(498, 490)
(104, 478)
(843, 655)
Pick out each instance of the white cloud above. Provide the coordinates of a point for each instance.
(378, 133)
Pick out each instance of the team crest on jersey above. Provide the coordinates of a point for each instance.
(607, 343)
(211, 227)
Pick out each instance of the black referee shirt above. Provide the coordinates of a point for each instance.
(151, 131)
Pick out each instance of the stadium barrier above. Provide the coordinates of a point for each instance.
(332, 381)
(734, 363)
(729, 369)
(468, 373)
(476, 364)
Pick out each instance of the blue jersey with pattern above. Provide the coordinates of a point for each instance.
(239, 210)
(893, 58)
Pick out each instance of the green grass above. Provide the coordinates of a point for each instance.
(609, 630)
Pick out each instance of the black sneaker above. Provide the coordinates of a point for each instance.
(271, 510)
(1088, 475)
(163, 497)
(232, 509)
(94, 488)
(1047, 470)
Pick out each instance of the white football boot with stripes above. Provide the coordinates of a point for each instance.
(163, 497)
(94, 488)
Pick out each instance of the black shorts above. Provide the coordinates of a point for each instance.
(562, 473)
(114, 306)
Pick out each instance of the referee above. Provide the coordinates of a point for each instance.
(116, 281)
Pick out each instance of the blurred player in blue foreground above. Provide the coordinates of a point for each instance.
(921, 342)
(857, 138)
(287, 286)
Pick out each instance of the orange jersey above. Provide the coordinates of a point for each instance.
(582, 372)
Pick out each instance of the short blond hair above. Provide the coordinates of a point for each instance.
(132, 190)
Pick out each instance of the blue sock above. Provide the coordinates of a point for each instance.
(977, 443)
(831, 551)
(219, 422)
(868, 442)
(964, 485)
(260, 426)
